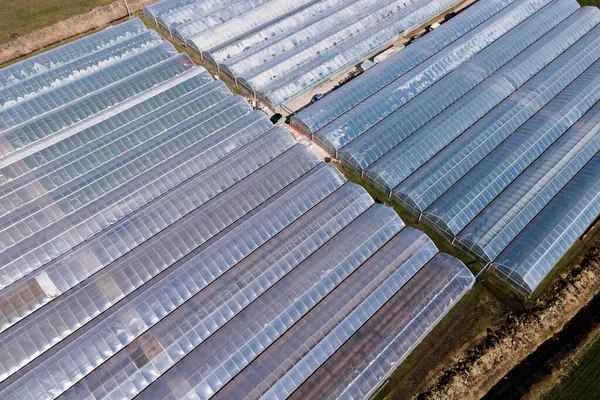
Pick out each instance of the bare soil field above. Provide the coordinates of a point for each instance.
(563, 367)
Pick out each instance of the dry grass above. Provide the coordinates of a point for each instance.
(18, 17)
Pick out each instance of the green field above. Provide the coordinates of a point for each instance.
(583, 380)
(18, 18)
(589, 2)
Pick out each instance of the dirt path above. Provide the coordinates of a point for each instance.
(546, 366)
(492, 358)
(96, 18)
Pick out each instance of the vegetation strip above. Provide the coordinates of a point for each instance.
(521, 333)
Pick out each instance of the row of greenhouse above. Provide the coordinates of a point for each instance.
(162, 240)
(281, 49)
(486, 129)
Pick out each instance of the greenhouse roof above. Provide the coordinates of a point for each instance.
(479, 126)
(281, 49)
(161, 239)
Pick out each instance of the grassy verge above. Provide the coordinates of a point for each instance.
(18, 18)
(410, 219)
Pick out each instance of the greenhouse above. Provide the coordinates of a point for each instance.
(478, 126)
(160, 239)
(281, 49)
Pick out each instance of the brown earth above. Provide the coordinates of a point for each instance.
(96, 18)
(502, 349)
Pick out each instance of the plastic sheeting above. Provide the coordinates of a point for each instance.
(440, 284)
(395, 166)
(148, 216)
(368, 113)
(313, 118)
(350, 53)
(280, 49)
(386, 134)
(455, 160)
(69, 52)
(471, 194)
(478, 126)
(496, 226)
(548, 237)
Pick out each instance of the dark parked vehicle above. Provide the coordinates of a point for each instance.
(275, 118)
(449, 16)
(316, 98)
(412, 39)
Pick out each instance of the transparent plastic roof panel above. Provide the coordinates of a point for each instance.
(282, 30)
(368, 113)
(139, 111)
(59, 212)
(204, 40)
(32, 133)
(396, 165)
(313, 118)
(62, 95)
(76, 69)
(238, 287)
(534, 252)
(52, 175)
(477, 126)
(272, 47)
(417, 308)
(310, 74)
(269, 71)
(471, 194)
(397, 126)
(498, 224)
(218, 359)
(209, 11)
(151, 223)
(69, 52)
(97, 249)
(430, 181)
(199, 23)
(280, 49)
(181, 280)
(304, 347)
(166, 7)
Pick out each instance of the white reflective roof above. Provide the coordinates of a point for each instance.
(478, 126)
(157, 235)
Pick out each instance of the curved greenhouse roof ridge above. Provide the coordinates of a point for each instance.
(159, 238)
(478, 127)
(281, 49)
